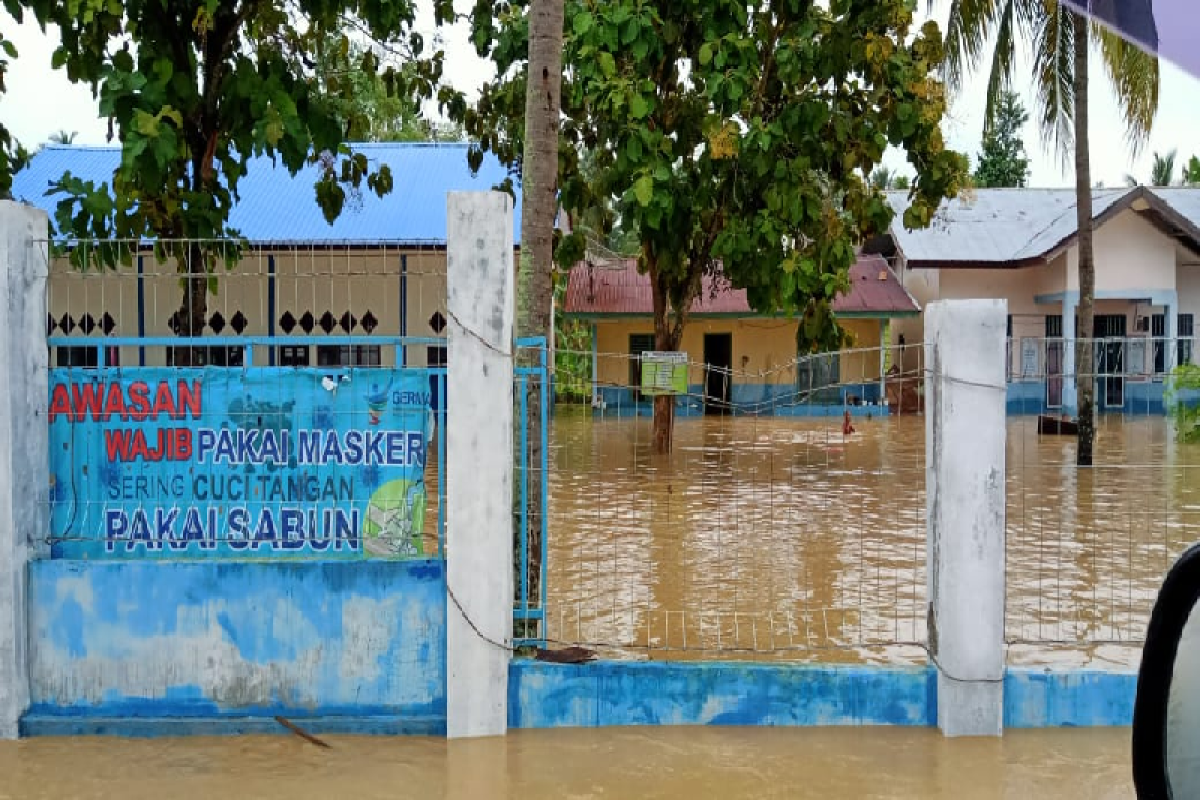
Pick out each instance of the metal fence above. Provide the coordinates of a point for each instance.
(771, 530)
(1087, 548)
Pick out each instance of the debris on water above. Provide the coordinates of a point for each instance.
(566, 655)
(308, 737)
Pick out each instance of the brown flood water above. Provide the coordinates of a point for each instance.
(776, 538)
(682, 763)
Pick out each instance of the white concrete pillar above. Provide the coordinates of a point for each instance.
(24, 441)
(964, 472)
(479, 461)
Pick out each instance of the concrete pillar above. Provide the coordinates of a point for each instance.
(24, 441)
(964, 472)
(479, 461)
(1069, 398)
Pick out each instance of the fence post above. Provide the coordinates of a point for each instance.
(964, 473)
(479, 461)
(24, 441)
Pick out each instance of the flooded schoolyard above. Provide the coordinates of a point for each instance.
(781, 538)
(665, 763)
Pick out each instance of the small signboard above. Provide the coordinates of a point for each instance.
(664, 373)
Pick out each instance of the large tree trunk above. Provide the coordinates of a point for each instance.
(1084, 351)
(539, 200)
(666, 339)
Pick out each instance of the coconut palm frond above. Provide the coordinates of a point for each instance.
(1135, 77)
(1054, 73)
(967, 31)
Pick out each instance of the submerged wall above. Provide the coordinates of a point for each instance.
(343, 645)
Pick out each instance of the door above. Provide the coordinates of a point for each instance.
(1110, 359)
(718, 372)
(1054, 361)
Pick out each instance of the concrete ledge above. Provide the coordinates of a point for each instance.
(613, 693)
(1036, 698)
(144, 727)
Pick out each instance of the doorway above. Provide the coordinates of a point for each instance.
(1110, 359)
(1054, 361)
(718, 373)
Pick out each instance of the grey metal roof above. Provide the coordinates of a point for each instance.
(1012, 226)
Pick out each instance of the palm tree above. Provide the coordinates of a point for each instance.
(1162, 172)
(1059, 40)
(63, 137)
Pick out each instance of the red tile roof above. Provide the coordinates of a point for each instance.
(621, 291)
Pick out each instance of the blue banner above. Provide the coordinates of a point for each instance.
(181, 463)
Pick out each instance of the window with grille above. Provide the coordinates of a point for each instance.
(1185, 331)
(206, 356)
(819, 377)
(85, 356)
(638, 343)
(357, 355)
(295, 355)
(1158, 332)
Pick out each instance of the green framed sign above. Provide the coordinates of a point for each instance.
(664, 373)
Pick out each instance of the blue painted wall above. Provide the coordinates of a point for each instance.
(614, 693)
(1080, 698)
(345, 645)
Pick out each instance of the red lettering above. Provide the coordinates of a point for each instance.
(60, 402)
(139, 400)
(116, 443)
(164, 401)
(189, 398)
(183, 444)
(138, 448)
(87, 398)
(114, 403)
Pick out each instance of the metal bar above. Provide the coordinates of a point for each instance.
(544, 482)
(270, 307)
(141, 309)
(403, 305)
(524, 496)
(440, 379)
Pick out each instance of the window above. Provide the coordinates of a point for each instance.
(638, 343)
(819, 378)
(205, 357)
(295, 355)
(1158, 332)
(1009, 349)
(435, 356)
(357, 355)
(86, 356)
(1186, 331)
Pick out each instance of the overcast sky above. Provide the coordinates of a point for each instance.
(41, 101)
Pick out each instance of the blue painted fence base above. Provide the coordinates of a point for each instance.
(614, 693)
(142, 727)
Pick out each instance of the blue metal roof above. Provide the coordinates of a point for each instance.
(276, 207)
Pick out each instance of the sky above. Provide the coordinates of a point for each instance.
(40, 101)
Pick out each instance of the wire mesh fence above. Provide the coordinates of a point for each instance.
(1088, 547)
(787, 522)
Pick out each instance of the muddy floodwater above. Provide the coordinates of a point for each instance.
(777, 538)
(560, 765)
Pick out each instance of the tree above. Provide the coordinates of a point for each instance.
(1002, 160)
(63, 137)
(1191, 172)
(1162, 171)
(1060, 42)
(900, 182)
(13, 157)
(193, 90)
(539, 207)
(737, 138)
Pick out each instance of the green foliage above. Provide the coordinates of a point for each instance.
(1187, 414)
(1191, 172)
(13, 157)
(900, 182)
(1002, 160)
(1047, 28)
(572, 355)
(732, 133)
(193, 89)
(1162, 170)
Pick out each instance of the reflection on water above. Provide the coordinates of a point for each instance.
(615, 763)
(771, 537)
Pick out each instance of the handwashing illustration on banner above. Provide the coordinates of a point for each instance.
(201, 462)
